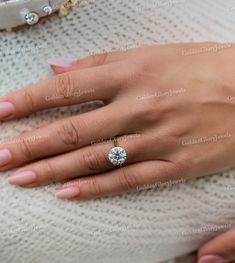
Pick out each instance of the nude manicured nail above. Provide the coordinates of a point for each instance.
(211, 259)
(5, 157)
(23, 178)
(68, 193)
(73, 183)
(60, 62)
(6, 109)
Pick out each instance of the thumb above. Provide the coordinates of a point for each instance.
(219, 250)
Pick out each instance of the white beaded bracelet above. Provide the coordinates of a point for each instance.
(14, 13)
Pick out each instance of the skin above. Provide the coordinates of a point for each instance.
(176, 109)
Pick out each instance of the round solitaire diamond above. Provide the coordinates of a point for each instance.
(117, 156)
(31, 18)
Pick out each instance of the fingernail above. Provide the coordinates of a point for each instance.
(23, 178)
(211, 259)
(5, 157)
(68, 193)
(60, 62)
(73, 183)
(6, 109)
(76, 182)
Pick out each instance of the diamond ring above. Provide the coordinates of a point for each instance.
(117, 155)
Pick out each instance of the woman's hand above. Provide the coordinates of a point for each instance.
(170, 107)
(219, 250)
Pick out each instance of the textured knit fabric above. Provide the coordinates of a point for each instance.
(143, 227)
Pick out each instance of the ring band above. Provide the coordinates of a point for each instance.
(117, 155)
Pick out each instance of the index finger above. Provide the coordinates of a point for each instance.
(70, 88)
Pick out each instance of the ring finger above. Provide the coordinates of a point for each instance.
(86, 161)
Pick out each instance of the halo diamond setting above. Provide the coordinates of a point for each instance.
(117, 156)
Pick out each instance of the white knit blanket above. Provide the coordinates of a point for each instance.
(144, 227)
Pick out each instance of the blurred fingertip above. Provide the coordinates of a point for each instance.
(60, 62)
(211, 259)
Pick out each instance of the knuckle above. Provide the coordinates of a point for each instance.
(64, 85)
(92, 160)
(69, 134)
(178, 134)
(133, 76)
(94, 187)
(144, 110)
(152, 105)
(26, 148)
(29, 100)
(49, 171)
(127, 180)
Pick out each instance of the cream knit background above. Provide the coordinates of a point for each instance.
(145, 227)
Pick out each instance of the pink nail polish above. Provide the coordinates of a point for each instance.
(211, 259)
(23, 178)
(68, 193)
(60, 62)
(5, 157)
(73, 183)
(6, 109)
